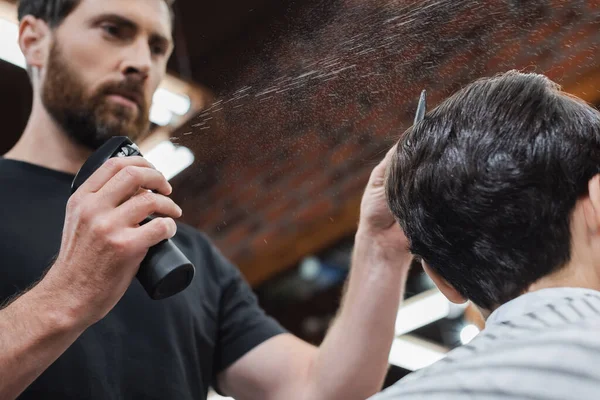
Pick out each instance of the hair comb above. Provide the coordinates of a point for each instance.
(421, 108)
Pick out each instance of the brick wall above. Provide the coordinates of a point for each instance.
(274, 166)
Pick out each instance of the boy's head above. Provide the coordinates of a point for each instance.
(498, 187)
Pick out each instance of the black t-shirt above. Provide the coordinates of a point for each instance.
(143, 349)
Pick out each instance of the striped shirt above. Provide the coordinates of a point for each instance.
(543, 345)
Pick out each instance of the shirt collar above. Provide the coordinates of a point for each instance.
(532, 300)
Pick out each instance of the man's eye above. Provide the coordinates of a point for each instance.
(111, 29)
(158, 50)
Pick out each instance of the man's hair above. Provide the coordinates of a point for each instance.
(55, 11)
(485, 186)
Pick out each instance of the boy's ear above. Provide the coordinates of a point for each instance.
(447, 290)
(591, 209)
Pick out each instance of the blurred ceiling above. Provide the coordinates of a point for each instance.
(324, 88)
(208, 34)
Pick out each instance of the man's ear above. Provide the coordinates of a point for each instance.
(34, 40)
(447, 290)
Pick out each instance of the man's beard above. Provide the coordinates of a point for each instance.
(91, 119)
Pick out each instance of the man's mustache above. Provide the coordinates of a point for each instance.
(129, 89)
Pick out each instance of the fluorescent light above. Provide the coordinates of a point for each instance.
(160, 116)
(9, 43)
(215, 396)
(176, 103)
(421, 310)
(168, 159)
(411, 353)
(468, 333)
(310, 268)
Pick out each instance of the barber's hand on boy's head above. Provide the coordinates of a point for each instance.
(376, 220)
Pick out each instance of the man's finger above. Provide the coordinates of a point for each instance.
(155, 231)
(379, 171)
(390, 154)
(133, 211)
(109, 169)
(127, 182)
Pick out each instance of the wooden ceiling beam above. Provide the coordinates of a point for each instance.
(290, 250)
(586, 87)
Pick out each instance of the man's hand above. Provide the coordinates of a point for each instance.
(103, 243)
(377, 224)
(352, 361)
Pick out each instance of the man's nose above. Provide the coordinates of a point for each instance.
(138, 60)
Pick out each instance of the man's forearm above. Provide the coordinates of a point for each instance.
(352, 361)
(35, 329)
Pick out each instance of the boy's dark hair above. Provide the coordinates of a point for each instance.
(485, 186)
(55, 11)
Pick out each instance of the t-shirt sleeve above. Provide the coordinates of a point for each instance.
(243, 325)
